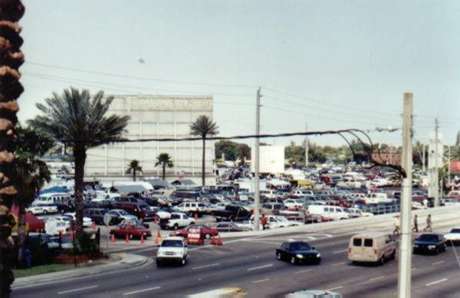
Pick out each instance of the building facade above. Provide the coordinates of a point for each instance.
(155, 117)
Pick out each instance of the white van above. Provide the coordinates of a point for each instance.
(376, 198)
(53, 198)
(328, 212)
(372, 247)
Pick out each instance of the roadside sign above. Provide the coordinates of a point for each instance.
(194, 236)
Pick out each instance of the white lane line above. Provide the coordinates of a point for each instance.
(339, 251)
(141, 291)
(260, 280)
(436, 282)
(333, 289)
(303, 271)
(77, 290)
(206, 266)
(376, 278)
(260, 267)
(438, 263)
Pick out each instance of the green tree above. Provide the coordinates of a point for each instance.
(228, 148)
(244, 153)
(133, 168)
(295, 154)
(165, 161)
(203, 127)
(80, 121)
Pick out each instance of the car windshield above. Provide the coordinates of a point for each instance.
(299, 246)
(172, 243)
(123, 212)
(455, 231)
(428, 238)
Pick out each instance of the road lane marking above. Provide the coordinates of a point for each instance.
(436, 282)
(333, 289)
(338, 264)
(260, 280)
(206, 266)
(141, 291)
(377, 278)
(77, 290)
(303, 271)
(438, 263)
(260, 267)
(339, 251)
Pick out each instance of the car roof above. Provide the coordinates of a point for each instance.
(174, 238)
(370, 235)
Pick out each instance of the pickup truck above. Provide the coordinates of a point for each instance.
(232, 213)
(176, 221)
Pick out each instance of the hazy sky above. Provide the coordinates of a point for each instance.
(333, 64)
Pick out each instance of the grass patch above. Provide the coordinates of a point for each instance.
(42, 269)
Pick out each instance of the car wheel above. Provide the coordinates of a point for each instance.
(278, 256)
(382, 260)
(183, 261)
(176, 226)
(293, 260)
(159, 263)
(207, 236)
(393, 255)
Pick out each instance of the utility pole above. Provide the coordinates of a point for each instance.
(436, 163)
(405, 249)
(448, 166)
(423, 158)
(256, 165)
(306, 146)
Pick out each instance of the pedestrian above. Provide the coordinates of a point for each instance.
(428, 223)
(415, 228)
(396, 230)
(264, 221)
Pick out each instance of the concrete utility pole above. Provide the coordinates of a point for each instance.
(256, 165)
(306, 146)
(436, 163)
(448, 166)
(405, 249)
(423, 158)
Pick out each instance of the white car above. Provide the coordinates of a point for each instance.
(179, 220)
(293, 203)
(57, 225)
(172, 249)
(116, 216)
(355, 212)
(87, 222)
(42, 208)
(453, 236)
(284, 222)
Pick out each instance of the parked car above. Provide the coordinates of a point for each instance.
(96, 214)
(116, 216)
(297, 252)
(356, 212)
(328, 212)
(453, 237)
(229, 227)
(232, 213)
(87, 222)
(372, 247)
(43, 208)
(177, 220)
(191, 207)
(429, 243)
(57, 225)
(294, 203)
(172, 249)
(205, 231)
(139, 208)
(284, 222)
(132, 229)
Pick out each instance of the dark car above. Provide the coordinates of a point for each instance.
(96, 214)
(430, 243)
(228, 227)
(138, 208)
(232, 213)
(297, 252)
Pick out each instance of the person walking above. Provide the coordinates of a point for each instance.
(428, 227)
(396, 230)
(264, 222)
(415, 227)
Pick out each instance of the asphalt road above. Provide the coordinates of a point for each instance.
(250, 264)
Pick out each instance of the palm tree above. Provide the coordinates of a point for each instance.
(165, 161)
(10, 90)
(80, 121)
(133, 168)
(203, 127)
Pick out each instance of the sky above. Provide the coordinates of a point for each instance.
(321, 64)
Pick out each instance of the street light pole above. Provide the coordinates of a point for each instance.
(405, 249)
(256, 165)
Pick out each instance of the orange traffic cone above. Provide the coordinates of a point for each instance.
(127, 238)
(158, 239)
(216, 240)
(142, 238)
(113, 237)
(93, 225)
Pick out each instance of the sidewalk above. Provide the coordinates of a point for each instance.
(116, 262)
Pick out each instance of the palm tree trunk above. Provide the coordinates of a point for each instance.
(203, 163)
(80, 159)
(164, 171)
(134, 174)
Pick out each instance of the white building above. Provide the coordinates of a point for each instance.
(271, 159)
(155, 116)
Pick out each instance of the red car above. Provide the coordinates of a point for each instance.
(133, 230)
(205, 231)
